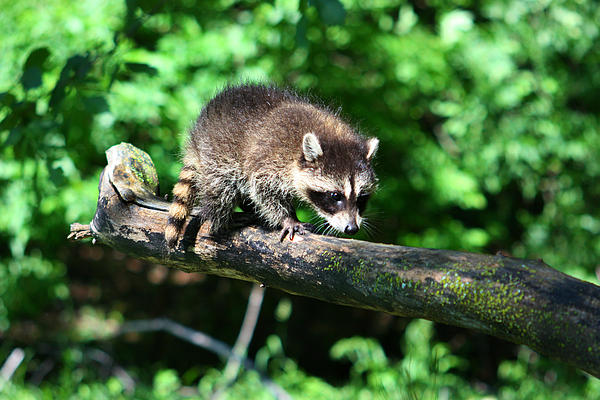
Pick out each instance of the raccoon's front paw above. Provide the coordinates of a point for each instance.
(292, 226)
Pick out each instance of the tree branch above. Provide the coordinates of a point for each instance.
(523, 301)
(15, 358)
(205, 341)
(240, 348)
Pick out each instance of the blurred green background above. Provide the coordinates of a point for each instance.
(488, 116)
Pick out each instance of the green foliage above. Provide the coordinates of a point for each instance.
(525, 378)
(486, 112)
(166, 383)
(427, 371)
(424, 373)
(42, 280)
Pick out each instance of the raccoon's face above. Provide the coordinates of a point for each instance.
(337, 180)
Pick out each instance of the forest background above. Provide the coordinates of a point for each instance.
(488, 117)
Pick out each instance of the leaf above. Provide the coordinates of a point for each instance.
(96, 104)
(37, 58)
(21, 111)
(141, 68)
(454, 24)
(10, 121)
(57, 175)
(81, 65)
(332, 12)
(7, 99)
(75, 70)
(13, 137)
(33, 68)
(365, 353)
(31, 78)
(166, 383)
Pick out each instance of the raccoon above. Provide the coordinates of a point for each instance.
(262, 148)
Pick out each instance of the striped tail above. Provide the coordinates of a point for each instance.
(183, 199)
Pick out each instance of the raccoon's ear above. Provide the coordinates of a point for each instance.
(372, 146)
(311, 147)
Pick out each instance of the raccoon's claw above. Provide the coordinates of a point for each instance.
(291, 227)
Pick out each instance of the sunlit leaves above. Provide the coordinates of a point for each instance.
(454, 24)
(365, 354)
(425, 371)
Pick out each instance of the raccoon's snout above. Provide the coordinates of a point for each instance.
(343, 223)
(351, 228)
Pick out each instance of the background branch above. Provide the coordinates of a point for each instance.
(240, 348)
(11, 364)
(203, 340)
(523, 301)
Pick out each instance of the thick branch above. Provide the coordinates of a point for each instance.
(523, 301)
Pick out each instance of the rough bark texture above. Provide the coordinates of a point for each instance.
(523, 301)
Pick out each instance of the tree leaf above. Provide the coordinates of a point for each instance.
(7, 99)
(13, 137)
(37, 58)
(75, 70)
(96, 104)
(141, 68)
(33, 68)
(332, 12)
(31, 78)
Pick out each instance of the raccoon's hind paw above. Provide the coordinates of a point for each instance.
(292, 227)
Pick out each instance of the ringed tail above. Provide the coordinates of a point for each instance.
(183, 196)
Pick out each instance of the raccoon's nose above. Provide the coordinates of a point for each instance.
(351, 228)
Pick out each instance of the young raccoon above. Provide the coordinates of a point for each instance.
(261, 147)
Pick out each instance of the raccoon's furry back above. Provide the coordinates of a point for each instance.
(213, 153)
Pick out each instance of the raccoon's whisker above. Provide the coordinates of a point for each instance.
(328, 230)
(315, 218)
(333, 231)
(373, 215)
(368, 228)
(321, 222)
(320, 226)
(371, 228)
(372, 212)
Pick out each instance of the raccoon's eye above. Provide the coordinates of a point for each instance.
(327, 202)
(361, 201)
(335, 196)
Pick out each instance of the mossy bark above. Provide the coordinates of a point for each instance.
(523, 301)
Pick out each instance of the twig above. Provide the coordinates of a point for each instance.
(107, 361)
(41, 371)
(80, 231)
(240, 347)
(203, 340)
(246, 331)
(14, 359)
